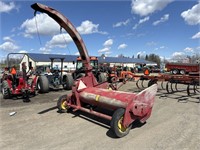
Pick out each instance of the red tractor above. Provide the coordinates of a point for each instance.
(19, 84)
(87, 94)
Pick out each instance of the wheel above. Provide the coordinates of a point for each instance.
(101, 77)
(43, 84)
(116, 123)
(6, 90)
(182, 72)
(62, 104)
(174, 71)
(68, 82)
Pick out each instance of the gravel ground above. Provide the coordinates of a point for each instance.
(174, 124)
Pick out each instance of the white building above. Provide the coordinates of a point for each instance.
(36, 59)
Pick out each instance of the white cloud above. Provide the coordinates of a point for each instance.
(106, 49)
(59, 40)
(141, 53)
(189, 49)
(7, 38)
(108, 43)
(23, 51)
(77, 53)
(122, 46)
(161, 47)
(43, 24)
(122, 23)
(191, 16)
(141, 21)
(8, 46)
(108, 53)
(162, 19)
(196, 36)
(87, 27)
(178, 55)
(146, 7)
(45, 50)
(152, 43)
(5, 8)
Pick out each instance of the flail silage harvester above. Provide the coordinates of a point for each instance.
(126, 107)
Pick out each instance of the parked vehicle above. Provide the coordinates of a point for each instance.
(57, 79)
(182, 68)
(80, 70)
(21, 83)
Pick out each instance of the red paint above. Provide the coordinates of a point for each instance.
(137, 106)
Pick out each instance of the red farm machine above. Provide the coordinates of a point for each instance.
(126, 107)
(182, 68)
(18, 84)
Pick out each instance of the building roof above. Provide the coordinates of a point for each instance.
(70, 58)
(123, 60)
(46, 57)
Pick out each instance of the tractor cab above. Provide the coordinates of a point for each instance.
(80, 70)
(93, 63)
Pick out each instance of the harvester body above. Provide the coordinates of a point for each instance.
(86, 90)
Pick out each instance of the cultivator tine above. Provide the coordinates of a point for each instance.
(194, 88)
(171, 86)
(152, 81)
(167, 87)
(188, 90)
(142, 84)
(176, 86)
(137, 84)
(162, 86)
(172, 83)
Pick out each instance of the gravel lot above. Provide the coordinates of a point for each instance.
(174, 124)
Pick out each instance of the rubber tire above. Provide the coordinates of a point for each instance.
(5, 90)
(182, 72)
(118, 114)
(101, 77)
(60, 102)
(69, 82)
(43, 83)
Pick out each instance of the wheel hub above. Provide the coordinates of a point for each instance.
(120, 126)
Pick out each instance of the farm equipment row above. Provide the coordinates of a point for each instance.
(170, 83)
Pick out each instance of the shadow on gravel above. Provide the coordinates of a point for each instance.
(135, 124)
(47, 110)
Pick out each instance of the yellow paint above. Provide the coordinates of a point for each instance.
(120, 126)
(63, 105)
(97, 98)
(110, 88)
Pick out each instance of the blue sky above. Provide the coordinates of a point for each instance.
(168, 28)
